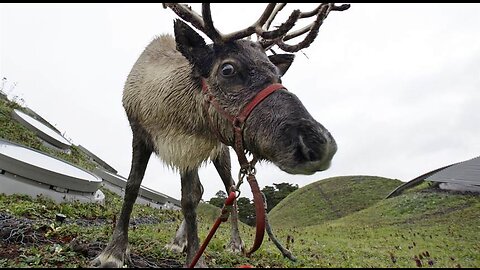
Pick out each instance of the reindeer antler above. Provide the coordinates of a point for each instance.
(188, 14)
(267, 38)
(321, 12)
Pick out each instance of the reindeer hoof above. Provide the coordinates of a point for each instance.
(109, 259)
(106, 262)
(236, 246)
(176, 247)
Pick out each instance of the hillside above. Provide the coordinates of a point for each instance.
(330, 199)
(422, 228)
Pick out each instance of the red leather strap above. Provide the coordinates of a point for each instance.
(245, 112)
(222, 218)
(257, 99)
(259, 212)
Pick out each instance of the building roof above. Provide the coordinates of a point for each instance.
(463, 173)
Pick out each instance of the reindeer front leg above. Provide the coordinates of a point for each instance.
(113, 256)
(192, 191)
(223, 165)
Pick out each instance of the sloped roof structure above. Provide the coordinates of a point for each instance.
(463, 173)
(464, 176)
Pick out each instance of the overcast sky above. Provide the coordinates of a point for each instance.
(397, 85)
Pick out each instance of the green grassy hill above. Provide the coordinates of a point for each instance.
(208, 212)
(330, 199)
(427, 227)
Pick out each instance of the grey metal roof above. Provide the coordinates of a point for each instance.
(157, 196)
(98, 160)
(41, 167)
(115, 179)
(35, 115)
(44, 132)
(148, 193)
(464, 173)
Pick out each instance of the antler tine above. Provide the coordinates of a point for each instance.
(283, 28)
(322, 12)
(341, 8)
(203, 23)
(254, 28)
(186, 13)
(309, 14)
(312, 34)
(210, 30)
(278, 7)
(269, 41)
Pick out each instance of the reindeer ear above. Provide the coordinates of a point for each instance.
(282, 61)
(191, 45)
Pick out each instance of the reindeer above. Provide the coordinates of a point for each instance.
(179, 98)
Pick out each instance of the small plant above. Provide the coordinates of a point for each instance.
(53, 230)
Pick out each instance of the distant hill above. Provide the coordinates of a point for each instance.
(207, 212)
(330, 199)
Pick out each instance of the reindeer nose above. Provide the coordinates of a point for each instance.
(315, 144)
(308, 153)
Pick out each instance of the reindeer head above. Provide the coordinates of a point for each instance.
(234, 70)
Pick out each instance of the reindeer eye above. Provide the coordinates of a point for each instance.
(227, 70)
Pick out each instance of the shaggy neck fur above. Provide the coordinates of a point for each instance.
(162, 96)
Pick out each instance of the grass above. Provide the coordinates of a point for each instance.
(421, 227)
(330, 199)
(86, 221)
(393, 232)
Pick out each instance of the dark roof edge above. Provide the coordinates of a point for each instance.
(415, 182)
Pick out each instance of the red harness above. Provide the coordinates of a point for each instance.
(246, 167)
(238, 120)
